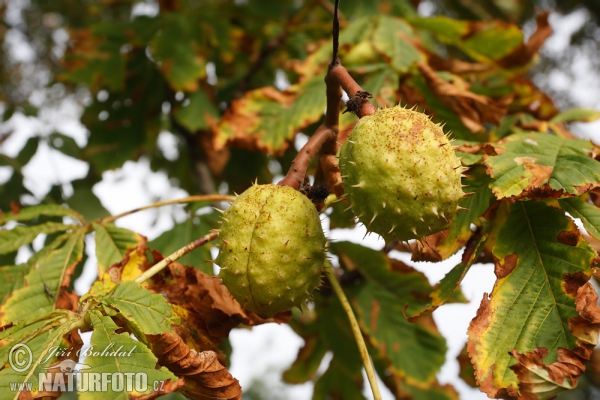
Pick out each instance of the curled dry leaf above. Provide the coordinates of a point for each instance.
(523, 54)
(204, 377)
(211, 308)
(472, 109)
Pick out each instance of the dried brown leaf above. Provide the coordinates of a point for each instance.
(204, 377)
(211, 309)
(472, 109)
(523, 54)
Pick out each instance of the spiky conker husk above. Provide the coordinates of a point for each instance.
(401, 174)
(272, 249)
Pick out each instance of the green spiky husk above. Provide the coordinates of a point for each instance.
(400, 174)
(272, 249)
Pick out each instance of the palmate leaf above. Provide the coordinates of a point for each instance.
(112, 243)
(539, 165)
(415, 351)
(541, 264)
(131, 358)
(49, 272)
(144, 311)
(40, 334)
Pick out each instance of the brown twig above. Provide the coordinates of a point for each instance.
(325, 140)
(340, 75)
(335, 33)
(297, 171)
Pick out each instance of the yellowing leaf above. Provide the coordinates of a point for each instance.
(112, 243)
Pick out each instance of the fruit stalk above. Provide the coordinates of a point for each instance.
(156, 268)
(360, 341)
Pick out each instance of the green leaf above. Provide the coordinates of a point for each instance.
(587, 212)
(146, 312)
(48, 210)
(539, 165)
(28, 151)
(184, 233)
(65, 144)
(477, 200)
(175, 49)
(541, 263)
(112, 243)
(415, 351)
(49, 270)
(132, 357)
(338, 382)
(576, 115)
(485, 41)
(12, 277)
(196, 114)
(393, 38)
(447, 287)
(409, 286)
(95, 59)
(308, 360)
(11, 240)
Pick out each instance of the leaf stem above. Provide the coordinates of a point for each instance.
(189, 199)
(156, 268)
(360, 341)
